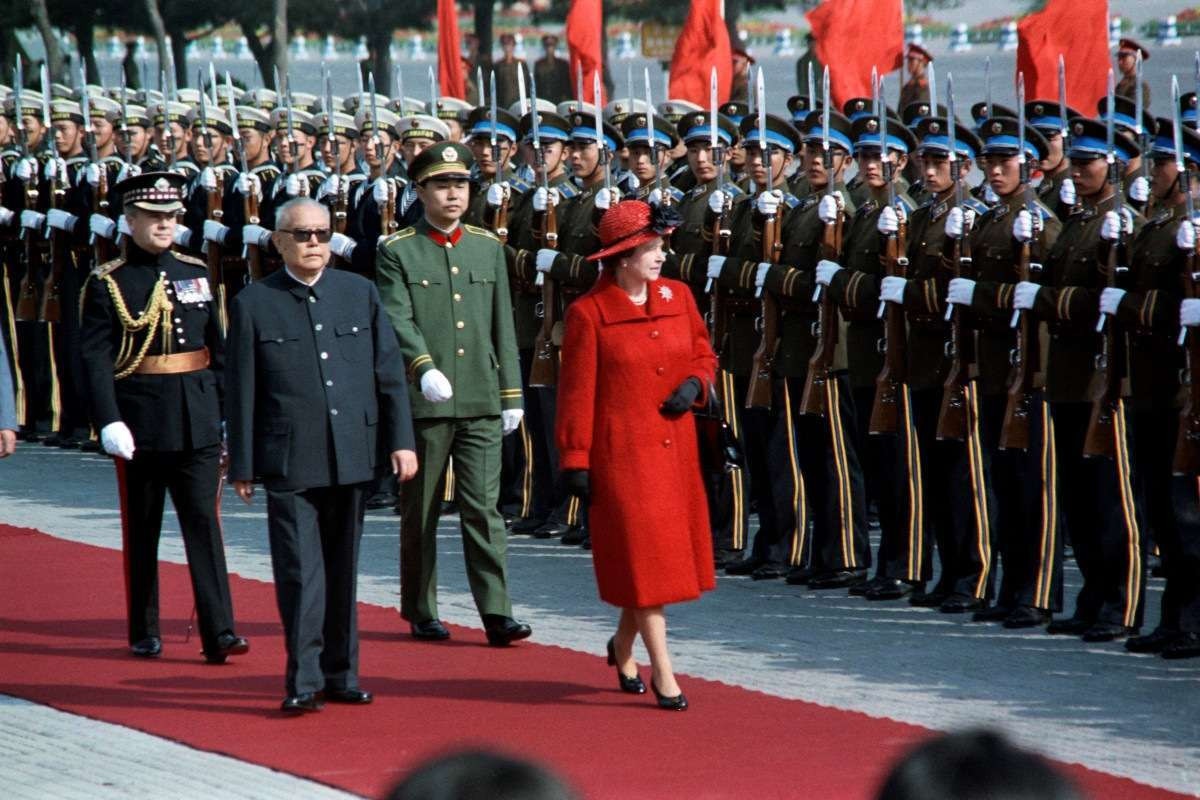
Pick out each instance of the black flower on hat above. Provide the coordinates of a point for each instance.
(664, 219)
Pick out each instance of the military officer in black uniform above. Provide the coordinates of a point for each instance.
(153, 353)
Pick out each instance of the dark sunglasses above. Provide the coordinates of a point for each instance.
(302, 235)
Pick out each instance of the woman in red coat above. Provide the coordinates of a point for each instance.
(635, 360)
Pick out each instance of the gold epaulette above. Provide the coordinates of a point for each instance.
(100, 270)
(190, 260)
(480, 231)
(400, 234)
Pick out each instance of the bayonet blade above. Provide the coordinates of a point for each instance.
(1062, 100)
(812, 87)
(933, 97)
(987, 84)
(712, 109)
(760, 92)
(521, 94)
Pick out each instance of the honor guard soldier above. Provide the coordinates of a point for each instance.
(465, 389)
(173, 135)
(680, 175)
(1182, 596)
(153, 355)
(649, 159)
(336, 138)
(296, 157)
(767, 429)
(1095, 492)
(1137, 185)
(955, 501)
(244, 194)
(490, 168)
(911, 115)
(916, 60)
(453, 112)
(800, 106)
(1128, 51)
(889, 461)
(1047, 117)
(1006, 241)
(210, 139)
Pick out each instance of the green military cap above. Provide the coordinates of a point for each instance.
(934, 138)
(479, 123)
(636, 130)
(1001, 136)
(442, 160)
(422, 126)
(265, 99)
(913, 113)
(674, 110)
(697, 127)
(343, 124)
(214, 117)
(781, 134)
(451, 108)
(65, 110)
(388, 121)
(253, 117)
(866, 134)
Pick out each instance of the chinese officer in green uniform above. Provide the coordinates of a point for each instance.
(445, 286)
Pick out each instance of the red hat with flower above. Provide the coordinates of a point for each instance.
(631, 223)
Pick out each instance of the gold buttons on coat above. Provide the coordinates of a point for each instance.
(424, 283)
(457, 297)
(461, 352)
(454, 270)
(460, 324)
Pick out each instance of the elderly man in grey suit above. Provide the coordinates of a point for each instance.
(317, 404)
(8, 407)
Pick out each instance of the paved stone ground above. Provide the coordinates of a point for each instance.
(1097, 705)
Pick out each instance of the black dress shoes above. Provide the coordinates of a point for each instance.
(1027, 617)
(677, 703)
(575, 535)
(550, 530)
(89, 446)
(381, 500)
(297, 704)
(1107, 632)
(228, 644)
(1068, 627)
(839, 579)
(586, 544)
(503, 631)
(960, 604)
(1154, 642)
(799, 576)
(1186, 645)
(768, 572)
(743, 567)
(992, 614)
(354, 697)
(150, 647)
(723, 558)
(627, 684)
(431, 630)
(527, 525)
(861, 589)
(933, 599)
(891, 589)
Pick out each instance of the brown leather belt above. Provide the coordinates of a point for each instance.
(174, 363)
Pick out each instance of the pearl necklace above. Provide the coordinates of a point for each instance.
(640, 300)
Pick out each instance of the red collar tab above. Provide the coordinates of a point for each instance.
(446, 240)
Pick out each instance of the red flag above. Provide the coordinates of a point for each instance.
(1077, 30)
(451, 80)
(853, 36)
(585, 21)
(702, 44)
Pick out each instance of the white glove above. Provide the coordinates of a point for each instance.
(1024, 295)
(24, 169)
(1022, 229)
(545, 259)
(6, 216)
(54, 168)
(961, 291)
(716, 201)
(496, 193)
(293, 185)
(1139, 190)
(33, 220)
(330, 187)
(91, 174)
(435, 387)
(826, 270)
(760, 277)
(183, 235)
(342, 245)
(380, 191)
(1110, 298)
(1112, 227)
(102, 226)
(63, 220)
(607, 198)
(256, 235)
(889, 220)
(655, 197)
(247, 184)
(123, 228)
(891, 289)
(830, 206)
(117, 440)
(214, 231)
(715, 265)
(510, 418)
(768, 203)
(129, 171)
(1066, 192)
(1189, 312)
(208, 179)
(959, 220)
(544, 197)
(989, 195)
(1185, 237)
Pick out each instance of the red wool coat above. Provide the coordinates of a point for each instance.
(651, 540)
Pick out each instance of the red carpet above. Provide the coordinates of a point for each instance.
(62, 614)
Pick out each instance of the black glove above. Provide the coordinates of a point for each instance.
(682, 398)
(577, 483)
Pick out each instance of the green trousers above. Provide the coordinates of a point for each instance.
(475, 445)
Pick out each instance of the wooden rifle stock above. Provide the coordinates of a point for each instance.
(387, 215)
(102, 249)
(758, 395)
(253, 253)
(1187, 445)
(952, 417)
(216, 277)
(1015, 432)
(544, 369)
(885, 411)
(27, 296)
(51, 310)
(1106, 381)
(812, 400)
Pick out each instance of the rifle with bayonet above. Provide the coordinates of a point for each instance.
(249, 199)
(27, 293)
(341, 201)
(762, 371)
(889, 385)
(952, 417)
(820, 364)
(652, 137)
(499, 218)
(720, 232)
(1105, 388)
(214, 210)
(102, 249)
(51, 308)
(388, 223)
(1187, 445)
(544, 369)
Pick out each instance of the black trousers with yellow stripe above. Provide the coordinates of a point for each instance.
(1181, 559)
(833, 481)
(1026, 516)
(728, 497)
(774, 471)
(1097, 502)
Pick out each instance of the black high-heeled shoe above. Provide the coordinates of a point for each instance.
(677, 703)
(630, 685)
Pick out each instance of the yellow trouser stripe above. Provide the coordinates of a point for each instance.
(448, 492)
(527, 469)
(1049, 477)
(799, 495)
(736, 479)
(912, 452)
(15, 351)
(1133, 578)
(837, 435)
(55, 387)
(983, 533)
